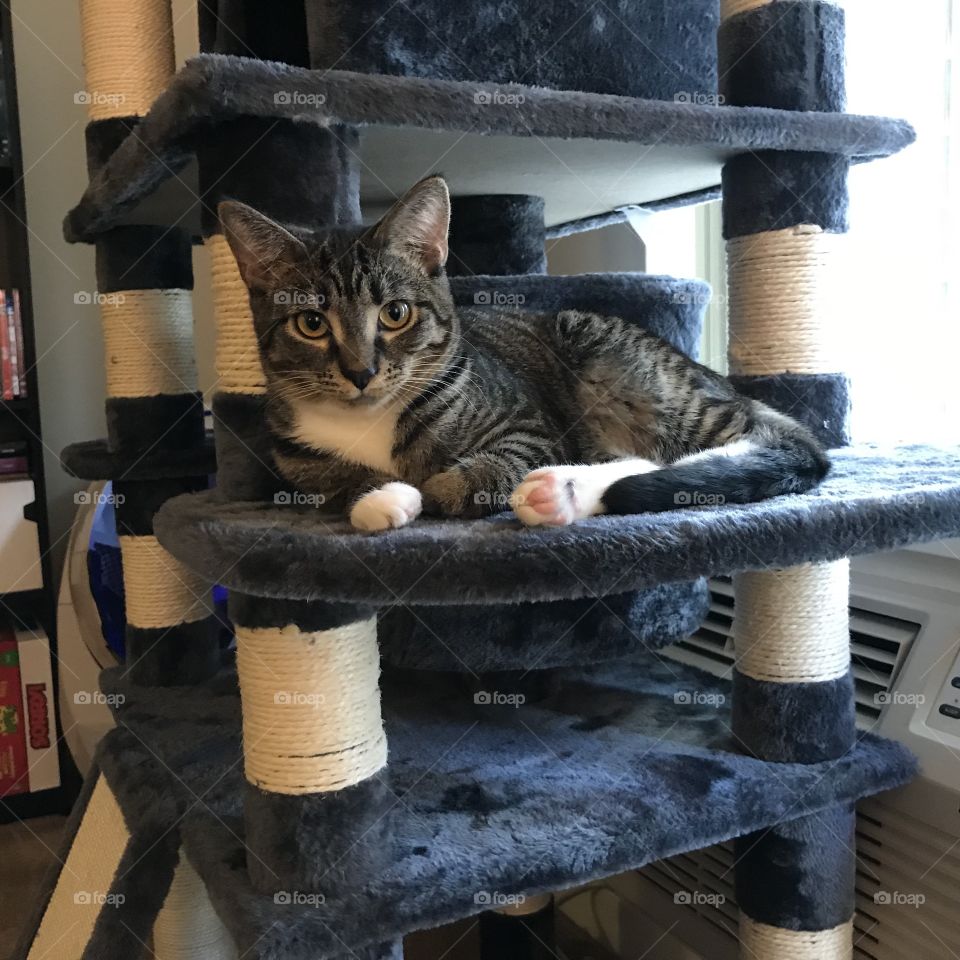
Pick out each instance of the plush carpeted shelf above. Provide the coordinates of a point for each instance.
(874, 499)
(94, 460)
(580, 150)
(609, 773)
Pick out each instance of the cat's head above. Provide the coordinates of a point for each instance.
(358, 318)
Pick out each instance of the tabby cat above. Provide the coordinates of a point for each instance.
(388, 400)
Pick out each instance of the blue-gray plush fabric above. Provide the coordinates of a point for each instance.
(820, 401)
(213, 87)
(95, 460)
(498, 234)
(800, 875)
(527, 636)
(874, 499)
(654, 49)
(794, 722)
(608, 774)
(788, 54)
(771, 190)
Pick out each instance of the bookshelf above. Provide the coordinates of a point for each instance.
(27, 597)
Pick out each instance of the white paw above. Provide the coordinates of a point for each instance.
(556, 496)
(392, 505)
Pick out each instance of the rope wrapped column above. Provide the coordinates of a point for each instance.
(784, 214)
(317, 807)
(153, 407)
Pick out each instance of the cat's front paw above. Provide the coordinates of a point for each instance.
(392, 505)
(547, 497)
(447, 494)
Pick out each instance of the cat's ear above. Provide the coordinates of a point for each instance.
(417, 226)
(260, 245)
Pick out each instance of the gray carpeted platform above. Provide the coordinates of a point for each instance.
(874, 499)
(609, 773)
(580, 149)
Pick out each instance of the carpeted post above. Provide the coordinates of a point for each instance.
(793, 689)
(496, 235)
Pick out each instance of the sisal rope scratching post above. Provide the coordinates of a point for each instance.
(311, 707)
(760, 940)
(160, 591)
(128, 55)
(780, 299)
(791, 626)
(187, 927)
(238, 357)
(148, 343)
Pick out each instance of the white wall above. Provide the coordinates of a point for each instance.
(46, 36)
(69, 344)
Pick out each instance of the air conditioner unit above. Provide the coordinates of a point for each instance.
(905, 648)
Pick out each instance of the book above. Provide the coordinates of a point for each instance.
(21, 360)
(14, 770)
(39, 706)
(5, 349)
(14, 356)
(14, 460)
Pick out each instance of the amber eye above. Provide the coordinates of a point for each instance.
(310, 324)
(395, 314)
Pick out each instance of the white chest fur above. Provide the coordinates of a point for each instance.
(362, 435)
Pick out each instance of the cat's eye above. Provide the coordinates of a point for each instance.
(395, 315)
(310, 324)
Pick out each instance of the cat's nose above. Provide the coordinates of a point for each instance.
(359, 378)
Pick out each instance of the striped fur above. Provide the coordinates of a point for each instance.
(463, 403)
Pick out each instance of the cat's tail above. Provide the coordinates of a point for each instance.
(779, 457)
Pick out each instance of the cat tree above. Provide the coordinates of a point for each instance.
(357, 806)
